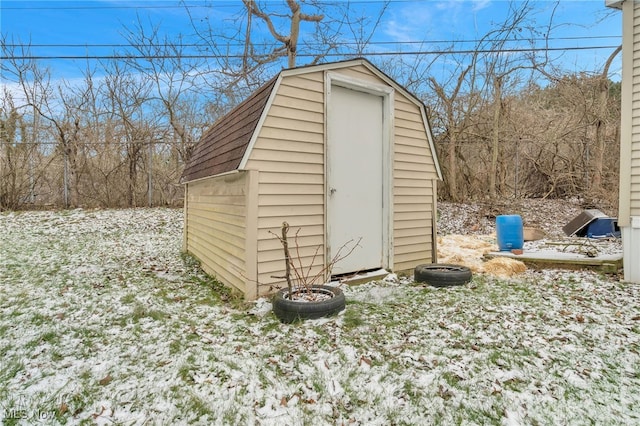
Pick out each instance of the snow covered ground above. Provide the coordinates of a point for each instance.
(103, 322)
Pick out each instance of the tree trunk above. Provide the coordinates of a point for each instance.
(495, 135)
(452, 166)
(292, 45)
(133, 176)
(601, 125)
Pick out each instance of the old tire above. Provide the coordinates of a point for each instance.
(442, 275)
(289, 311)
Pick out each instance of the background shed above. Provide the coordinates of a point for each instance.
(340, 151)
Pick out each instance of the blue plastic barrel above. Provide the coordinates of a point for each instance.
(509, 232)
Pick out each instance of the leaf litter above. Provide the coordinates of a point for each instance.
(103, 321)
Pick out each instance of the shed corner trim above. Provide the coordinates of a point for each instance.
(432, 146)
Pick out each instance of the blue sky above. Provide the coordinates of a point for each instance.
(83, 25)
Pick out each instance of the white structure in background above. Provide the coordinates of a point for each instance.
(629, 206)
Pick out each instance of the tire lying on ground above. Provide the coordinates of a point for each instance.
(289, 311)
(442, 275)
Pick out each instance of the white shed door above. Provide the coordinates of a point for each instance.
(355, 178)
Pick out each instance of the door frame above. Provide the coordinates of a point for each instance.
(387, 94)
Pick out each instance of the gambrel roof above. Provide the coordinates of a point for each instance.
(224, 146)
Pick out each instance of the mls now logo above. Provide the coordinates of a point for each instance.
(14, 410)
(22, 409)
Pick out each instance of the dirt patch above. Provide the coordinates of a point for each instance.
(504, 267)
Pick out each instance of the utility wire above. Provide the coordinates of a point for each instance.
(212, 5)
(346, 43)
(238, 56)
(84, 7)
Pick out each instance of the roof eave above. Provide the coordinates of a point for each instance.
(615, 4)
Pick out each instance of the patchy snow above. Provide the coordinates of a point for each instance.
(102, 322)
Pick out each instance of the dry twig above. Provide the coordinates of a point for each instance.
(303, 275)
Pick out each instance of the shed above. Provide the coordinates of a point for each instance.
(339, 151)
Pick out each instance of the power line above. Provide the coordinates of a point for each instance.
(180, 6)
(238, 56)
(22, 46)
(346, 43)
(123, 7)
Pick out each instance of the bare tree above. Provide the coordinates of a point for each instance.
(500, 69)
(109, 141)
(290, 41)
(40, 94)
(176, 84)
(127, 94)
(248, 63)
(16, 156)
(600, 122)
(455, 119)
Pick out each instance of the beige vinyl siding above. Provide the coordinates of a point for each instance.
(361, 72)
(414, 174)
(231, 219)
(215, 231)
(635, 114)
(289, 152)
